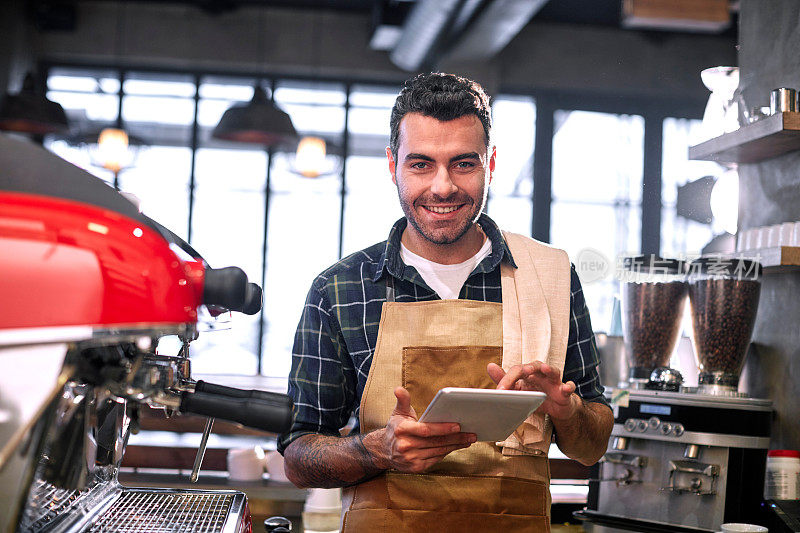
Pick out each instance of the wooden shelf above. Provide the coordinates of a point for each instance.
(776, 259)
(769, 137)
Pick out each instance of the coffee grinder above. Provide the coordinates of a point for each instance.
(653, 297)
(689, 458)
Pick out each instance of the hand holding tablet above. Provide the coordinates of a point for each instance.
(491, 414)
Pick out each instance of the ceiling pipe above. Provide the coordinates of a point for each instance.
(493, 29)
(423, 32)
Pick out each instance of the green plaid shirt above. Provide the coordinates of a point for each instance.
(338, 330)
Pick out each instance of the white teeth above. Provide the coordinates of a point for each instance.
(441, 210)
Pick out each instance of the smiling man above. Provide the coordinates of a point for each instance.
(448, 300)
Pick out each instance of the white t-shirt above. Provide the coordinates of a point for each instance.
(446, 280)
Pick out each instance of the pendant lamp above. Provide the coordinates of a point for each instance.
(29, 111)
(257, 122)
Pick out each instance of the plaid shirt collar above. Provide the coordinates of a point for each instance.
(391, 263)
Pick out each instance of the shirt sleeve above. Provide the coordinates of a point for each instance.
(322, 379)
(580, 365)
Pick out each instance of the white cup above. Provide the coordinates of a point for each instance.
(785, 234)
(795, 234)
(748, 239)
(246, 464)
(323, 501)
(322, 510)
(759, 237)
(274, 464)
(737, 528)
(773, 236)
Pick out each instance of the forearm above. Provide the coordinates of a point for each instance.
(584, 436)
(328, 462)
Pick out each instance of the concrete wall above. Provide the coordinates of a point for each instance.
(551, 56)
(769, 194)
(613, 61)
(299, 42)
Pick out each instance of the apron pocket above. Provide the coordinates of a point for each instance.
(426, 369)
(453, 493)
(401, 521)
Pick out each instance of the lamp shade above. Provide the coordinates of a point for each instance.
(257, 122)
(31, 112)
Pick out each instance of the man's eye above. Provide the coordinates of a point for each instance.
(465, 164)
(419, 165)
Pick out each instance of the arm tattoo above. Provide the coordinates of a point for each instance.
(328, 462)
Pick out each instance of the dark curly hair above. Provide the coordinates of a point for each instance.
(443, 97)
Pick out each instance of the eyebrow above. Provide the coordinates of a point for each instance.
(423, 157)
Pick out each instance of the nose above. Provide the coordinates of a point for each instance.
(443, 185)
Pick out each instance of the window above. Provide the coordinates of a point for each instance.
(303, 219)
(243, 205)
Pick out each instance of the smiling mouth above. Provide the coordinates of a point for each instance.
(442, 210)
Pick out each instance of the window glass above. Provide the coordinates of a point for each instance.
(679, 235)
(512, 213)
(373, 96)
(371, 205)
(304, 216)
(369, 120)
(228, 350)
(300, 92)
(597, 186)
(228, 230)
(83, 80)
(597, 157)
(160, 180)
(513, 133)
(302, 240)
(96, 106)
(158, 84)
(231, 169)
(163, 110)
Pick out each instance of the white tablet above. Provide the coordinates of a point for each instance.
(491, 414)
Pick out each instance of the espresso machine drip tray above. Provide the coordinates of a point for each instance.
(165, 512)
(130, 510)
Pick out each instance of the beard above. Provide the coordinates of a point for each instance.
(442, 232)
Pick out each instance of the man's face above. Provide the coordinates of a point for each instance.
(442, 173)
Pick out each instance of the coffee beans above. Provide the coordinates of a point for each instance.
(723, 315)
(651, 321)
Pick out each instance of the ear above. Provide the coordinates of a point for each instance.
(392, 165)
(492, 163)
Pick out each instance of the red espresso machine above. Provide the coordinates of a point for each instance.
(88, 286)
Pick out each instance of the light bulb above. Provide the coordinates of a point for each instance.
(112, 149)
(310, 158)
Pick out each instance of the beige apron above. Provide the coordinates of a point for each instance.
(425, 346)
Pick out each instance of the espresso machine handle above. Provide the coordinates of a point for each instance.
(274, 415)
(637, 461)
(222, 390)
(225, 287)
(699, 473)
